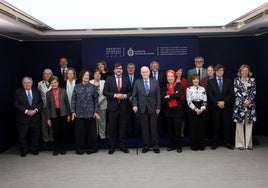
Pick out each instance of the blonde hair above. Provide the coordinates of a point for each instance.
(70, 69)
(244, 66)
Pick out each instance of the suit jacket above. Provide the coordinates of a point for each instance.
(58, 73)
(134, 79)
(214, 94)
(152, 101)
(110, 89)
(21, 104)
(193, 71)
(161, 78)
(64, 104)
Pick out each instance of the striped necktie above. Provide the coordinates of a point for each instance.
(146, 86)
(220, 84)
(30, 99)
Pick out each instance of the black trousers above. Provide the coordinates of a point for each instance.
(221, 120)
(149, 124)
(70, 132)
(59, 127)
(85, 134)
(132, 128)
(197, 127)
(31, 130)
(174, 131)
(117, 122)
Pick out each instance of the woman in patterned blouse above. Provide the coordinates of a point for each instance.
(84, 108)
(197, 100)
(244, 107)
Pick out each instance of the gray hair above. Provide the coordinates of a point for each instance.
(27, 78)
(47, 70)
(145, 67)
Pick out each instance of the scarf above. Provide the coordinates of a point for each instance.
(170, 91)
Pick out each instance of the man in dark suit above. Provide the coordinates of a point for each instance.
(132, 125)
(220, 91)
(199, 70)
(160, 77)
(147, 101)
(61, 72)
(117, 91)
(28, 104)
(156, 74)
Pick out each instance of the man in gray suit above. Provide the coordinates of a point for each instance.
(199, 70)
(147, 101)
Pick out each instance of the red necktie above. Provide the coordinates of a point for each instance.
(118, 83)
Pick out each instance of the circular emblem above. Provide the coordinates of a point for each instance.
(130, 52)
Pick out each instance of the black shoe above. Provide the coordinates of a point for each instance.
(194, 148)
(124, 149)
(63, 152)
(170, 148)
(92, 151)
(111, 151)
(201, 148)
(56, 153)
(145, 150)
(35, 152)
(179, 150)
(23, 154)
(79, 152)
(156, 150)
(213, 147)
(229, 146)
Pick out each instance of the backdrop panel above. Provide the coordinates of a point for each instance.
(171, 52)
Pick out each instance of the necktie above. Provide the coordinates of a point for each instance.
(29, 96)
(131, 80)
(220, 84)
(199, 73)
(154, 75)
(118, 83)
(63, 71)
(146, 86)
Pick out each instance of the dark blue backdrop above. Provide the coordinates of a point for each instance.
(30, 58)
(170, 51)
(9, 55)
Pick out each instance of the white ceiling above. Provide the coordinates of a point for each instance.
(36, 20)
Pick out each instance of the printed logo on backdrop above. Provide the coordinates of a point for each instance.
(112, 52)
(169, 51)
(172, 50)
(115, 52)
(130, 52)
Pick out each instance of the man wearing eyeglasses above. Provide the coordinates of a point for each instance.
(199, 70)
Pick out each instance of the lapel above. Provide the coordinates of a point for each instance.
(114, 82)
(223, 84)
(142, 86)
(25, 96)
(33, 96)
(122, 82)
(217, 85)
(151, 84)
